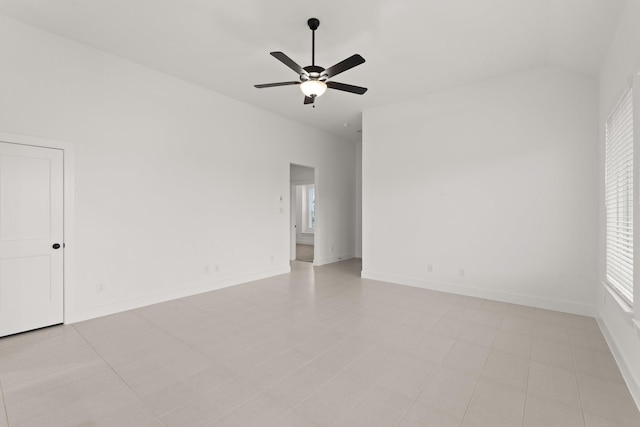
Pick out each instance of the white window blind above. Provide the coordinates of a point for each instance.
(619, 197)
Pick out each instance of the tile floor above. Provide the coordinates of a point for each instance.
(304, 252)
(317, 347)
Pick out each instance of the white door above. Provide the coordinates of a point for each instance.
(31, 233)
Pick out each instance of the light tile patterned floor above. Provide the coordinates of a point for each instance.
(317, 347)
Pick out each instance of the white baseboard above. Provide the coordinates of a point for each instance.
(331, 260)
(454, 288)
(627, 374)
(131, 304)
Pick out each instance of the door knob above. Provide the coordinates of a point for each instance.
(56, 246)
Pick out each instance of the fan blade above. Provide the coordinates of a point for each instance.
(276, 84)
(347, 88)
(345, 65)
(308, 100)
(289, 62)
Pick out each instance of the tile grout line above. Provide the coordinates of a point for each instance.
(73, 382)
(236, 375)
(196, 350)
(302, 366)
(415, 399)
(355, 402)
(526, 389)
(158, 417)
(115, 372)
(323, 383)
(575, 373)
(339, 372)
(4, 404)
(249, 370)
(475, 388)
(440, 366)
(59, 386)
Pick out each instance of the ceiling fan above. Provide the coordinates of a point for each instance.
(314, 80)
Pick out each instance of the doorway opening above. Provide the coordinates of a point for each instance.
(303, 213)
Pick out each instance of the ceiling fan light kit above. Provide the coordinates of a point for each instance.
(313, 88)
(314, 80)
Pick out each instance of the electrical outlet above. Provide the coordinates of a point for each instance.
(101, 287)
(430, 268)
(331, 248)
(461, 272)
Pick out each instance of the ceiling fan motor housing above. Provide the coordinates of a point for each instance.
(314, 72)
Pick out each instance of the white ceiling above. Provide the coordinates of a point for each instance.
(411, 46)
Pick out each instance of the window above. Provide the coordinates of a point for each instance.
(619, 197)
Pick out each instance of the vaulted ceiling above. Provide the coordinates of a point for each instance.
(411, 47)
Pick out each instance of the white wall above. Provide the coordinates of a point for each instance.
(621, 64)
(169, 177)
(359, 200)
(302, 174)
(498, 179)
